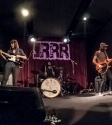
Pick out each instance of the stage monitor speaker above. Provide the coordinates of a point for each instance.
(21, 106)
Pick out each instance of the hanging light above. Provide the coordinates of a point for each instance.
(25, 12)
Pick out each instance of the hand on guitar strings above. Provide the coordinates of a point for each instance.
(100, 66)
(18, 56)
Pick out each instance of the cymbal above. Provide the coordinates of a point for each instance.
(57, 68)
(60, 68)
(71, 79)
(37, 72)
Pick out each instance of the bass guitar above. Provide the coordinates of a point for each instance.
(13, 58)
(105, 66)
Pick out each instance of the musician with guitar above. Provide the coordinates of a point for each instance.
(102, 61)
(14, 58)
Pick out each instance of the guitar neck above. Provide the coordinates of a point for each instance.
(6, 54)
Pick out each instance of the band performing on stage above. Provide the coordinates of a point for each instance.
(53, 81)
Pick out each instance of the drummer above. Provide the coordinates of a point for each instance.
(49, 70)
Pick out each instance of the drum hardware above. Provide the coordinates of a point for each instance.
(61, 79)
(50, 87)
(39, 77)
(37, 72)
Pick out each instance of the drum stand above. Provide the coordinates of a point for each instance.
(37, 80)
(63, 91)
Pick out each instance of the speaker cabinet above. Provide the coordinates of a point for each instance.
(97, 83)
(21, 106)
(9, 82)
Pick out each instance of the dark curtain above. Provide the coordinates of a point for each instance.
(77, 53)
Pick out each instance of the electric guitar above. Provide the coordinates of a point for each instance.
(13, 58)
(105, 66)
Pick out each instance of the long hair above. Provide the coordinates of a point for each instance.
(15, 42)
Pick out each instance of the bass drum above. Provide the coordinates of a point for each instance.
(51, 87)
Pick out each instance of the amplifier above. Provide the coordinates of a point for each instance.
(9, 82)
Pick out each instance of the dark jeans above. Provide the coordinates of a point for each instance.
(7, 72)
(108, 75)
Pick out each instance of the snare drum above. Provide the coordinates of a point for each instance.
(51, 87)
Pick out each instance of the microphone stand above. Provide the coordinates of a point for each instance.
(73, 65)
(79, 71)
(28, 67)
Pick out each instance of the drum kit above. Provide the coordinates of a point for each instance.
(52, 86)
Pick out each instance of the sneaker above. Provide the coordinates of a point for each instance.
(100, 94)
(110, 93)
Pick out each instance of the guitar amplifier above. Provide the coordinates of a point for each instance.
(1, 76)
(97, 83)
(9, 82)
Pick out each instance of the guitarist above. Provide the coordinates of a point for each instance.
(101, 56)
(12, 67)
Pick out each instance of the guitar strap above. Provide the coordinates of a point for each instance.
(17, 51)
(105, 54)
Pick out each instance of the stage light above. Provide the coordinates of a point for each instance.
(25, 12)
(85, 18)
(32, 39)
(66, 40)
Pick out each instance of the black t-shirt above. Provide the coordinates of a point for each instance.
(49, 70)
(101, 56)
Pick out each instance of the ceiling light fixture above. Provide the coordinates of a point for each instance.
(25, 12)
(66, 40)
(32, 38)
(85, 18)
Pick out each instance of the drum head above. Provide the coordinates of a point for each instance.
(51, 87)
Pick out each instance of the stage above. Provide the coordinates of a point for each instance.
(81, 109)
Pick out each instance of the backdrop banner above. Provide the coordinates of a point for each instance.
(51, 50)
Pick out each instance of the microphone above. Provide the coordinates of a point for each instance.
(74, 62)
(34, 52)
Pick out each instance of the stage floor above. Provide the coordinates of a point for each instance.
(82, 109)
